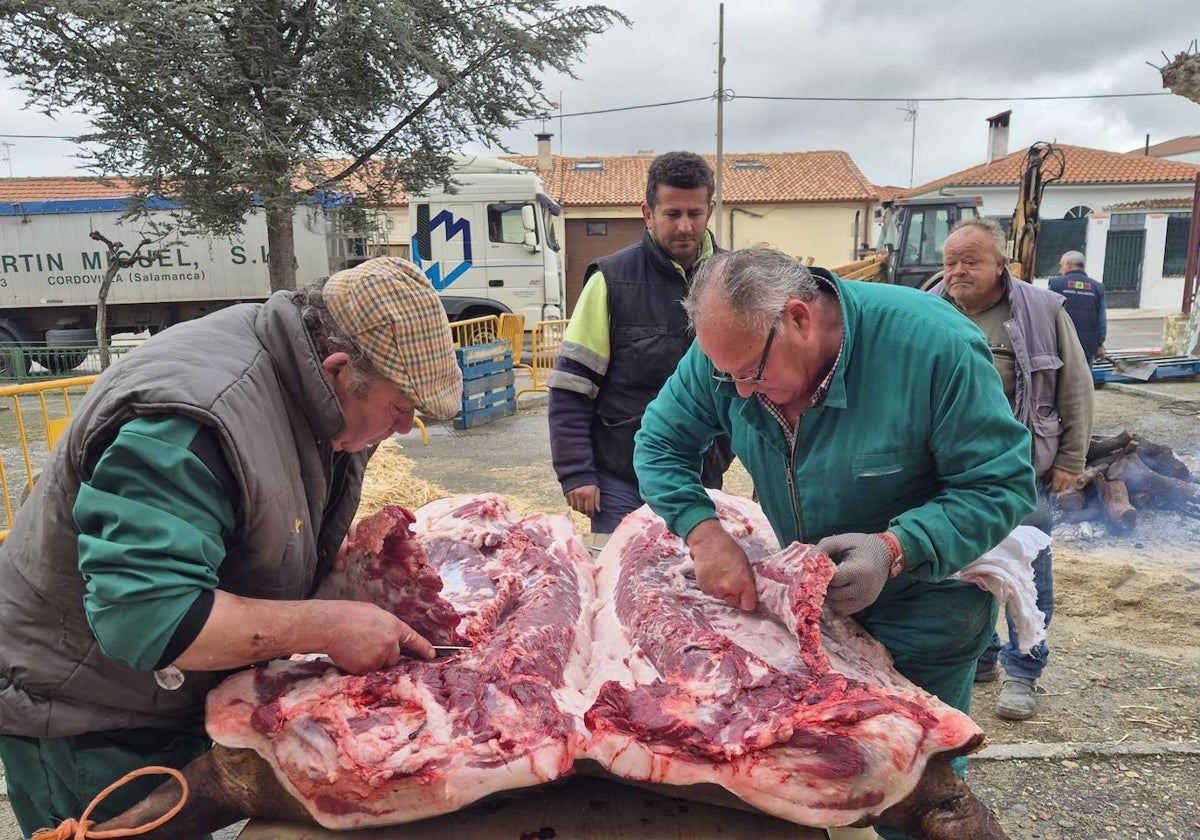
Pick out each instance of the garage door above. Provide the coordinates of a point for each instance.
(589, 239)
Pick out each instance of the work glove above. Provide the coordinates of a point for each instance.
(864, 563)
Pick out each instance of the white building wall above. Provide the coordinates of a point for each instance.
(1158, 292)
(1185, 157)
(1097, 245)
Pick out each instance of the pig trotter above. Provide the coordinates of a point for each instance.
(942, 807)
(225, 786)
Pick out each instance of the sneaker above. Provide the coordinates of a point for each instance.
(1018, 699)
(987, 671)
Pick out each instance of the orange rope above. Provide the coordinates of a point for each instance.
(82, 829)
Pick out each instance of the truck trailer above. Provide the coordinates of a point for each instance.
(488, 245)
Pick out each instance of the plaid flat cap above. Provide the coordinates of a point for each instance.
(388, 306)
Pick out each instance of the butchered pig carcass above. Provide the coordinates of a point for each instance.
(624, 662)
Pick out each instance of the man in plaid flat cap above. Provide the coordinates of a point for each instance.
(187, 515)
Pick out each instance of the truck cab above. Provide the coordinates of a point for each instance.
(914, 231)
(490, 246)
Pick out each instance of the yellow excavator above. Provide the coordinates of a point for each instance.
(909, 251)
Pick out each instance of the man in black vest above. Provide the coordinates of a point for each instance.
(627, 334)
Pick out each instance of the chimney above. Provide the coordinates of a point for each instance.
(545, 157)
(998, 136)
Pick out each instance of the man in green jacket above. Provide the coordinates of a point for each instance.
(197, 499)
(873, 423)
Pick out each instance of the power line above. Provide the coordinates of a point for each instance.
(730, 95)
(43, 136)
(954, 98)
(625, 108)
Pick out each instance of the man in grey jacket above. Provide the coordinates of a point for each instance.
(194, 503)
(1048, 382)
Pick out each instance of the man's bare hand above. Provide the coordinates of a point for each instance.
(1061, 481)
(722, 569)
(585, 499)
(367, 638)
(339, 562)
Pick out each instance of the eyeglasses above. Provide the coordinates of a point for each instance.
(762, 363)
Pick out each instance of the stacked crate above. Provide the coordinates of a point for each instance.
(488, 392)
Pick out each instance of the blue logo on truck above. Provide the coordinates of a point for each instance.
(422, 249)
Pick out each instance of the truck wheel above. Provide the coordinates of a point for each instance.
(58, 358)
(14, 360)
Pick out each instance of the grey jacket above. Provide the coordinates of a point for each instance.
(1034, 339)
(261, 387)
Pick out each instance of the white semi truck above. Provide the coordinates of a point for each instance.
(489, 247)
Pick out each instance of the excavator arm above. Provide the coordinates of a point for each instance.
(1044, 165)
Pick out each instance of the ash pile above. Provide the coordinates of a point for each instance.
(1129, 481)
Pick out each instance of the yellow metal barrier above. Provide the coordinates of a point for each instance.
(474, 331)
(547, 338)
(512, 330)
(35, 440)
(420, 424)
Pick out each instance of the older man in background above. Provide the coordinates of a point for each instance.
(1048, 383)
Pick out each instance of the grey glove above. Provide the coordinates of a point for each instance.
(864, 561)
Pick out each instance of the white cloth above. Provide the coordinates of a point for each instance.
(1007, 572)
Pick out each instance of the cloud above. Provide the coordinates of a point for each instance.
(839, 48)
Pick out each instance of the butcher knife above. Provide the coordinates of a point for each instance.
(449, 650)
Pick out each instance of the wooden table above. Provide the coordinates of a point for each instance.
(579, 808)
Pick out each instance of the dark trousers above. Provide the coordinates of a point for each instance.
(54, 779)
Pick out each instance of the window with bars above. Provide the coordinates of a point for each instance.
(1175, 256)
(1057, 237)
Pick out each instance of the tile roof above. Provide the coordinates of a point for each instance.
(1178, 146)
(887, 193)
(1083, 166)
(749, 178)
(61, 188)
(1153, 204)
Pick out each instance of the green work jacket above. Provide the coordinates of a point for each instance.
(915, 435)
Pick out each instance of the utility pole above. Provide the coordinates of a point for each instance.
(910, 114)
(720, 118)
(7, 155)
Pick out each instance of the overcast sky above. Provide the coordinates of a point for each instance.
(908, 49)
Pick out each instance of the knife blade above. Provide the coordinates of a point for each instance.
(449, 650)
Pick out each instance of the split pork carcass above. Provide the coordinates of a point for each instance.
(799, 713)
(801, 716)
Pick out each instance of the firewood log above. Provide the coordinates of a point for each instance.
(1161, 459)
(1141, 479)
(1073, 499)
(1103, 446)
(1115, 498)
(1085, 477)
